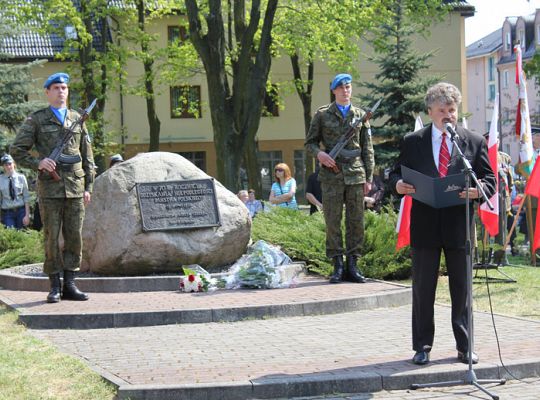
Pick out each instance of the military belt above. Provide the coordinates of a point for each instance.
(69, 167)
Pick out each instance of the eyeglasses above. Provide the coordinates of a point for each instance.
(278, 170)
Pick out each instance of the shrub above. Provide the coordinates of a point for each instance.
(20, 247)
(302, 237)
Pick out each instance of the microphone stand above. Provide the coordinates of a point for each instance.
(470, 375)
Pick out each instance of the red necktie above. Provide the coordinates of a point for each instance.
(444, 157)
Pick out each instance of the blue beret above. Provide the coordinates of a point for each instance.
(59, 77)
(7, 159)
(340, 79)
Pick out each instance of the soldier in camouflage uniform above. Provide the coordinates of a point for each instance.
(349, 185)
(61, 202)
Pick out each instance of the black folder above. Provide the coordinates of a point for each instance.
(435, 192)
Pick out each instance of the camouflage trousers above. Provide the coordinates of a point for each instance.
(66, 216)
(334, 196)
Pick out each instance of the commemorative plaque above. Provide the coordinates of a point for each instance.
(175, 205)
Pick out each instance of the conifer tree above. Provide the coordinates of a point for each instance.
(400, 81)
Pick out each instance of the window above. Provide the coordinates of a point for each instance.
(70, 32)
(522, 38)
(508, 41)
(299, 174)
(270, 106)
(477, 103)
(506, 116)
(186, 102)
(196, 157)
(491, 92)
(176, 33)
(491, 69)
(538, 34)
(505, 79)
(267, 162)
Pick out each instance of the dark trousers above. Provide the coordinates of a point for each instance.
(426, 263)
(13, 218)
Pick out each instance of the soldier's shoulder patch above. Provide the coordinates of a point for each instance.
(88, 138)
(324, 108)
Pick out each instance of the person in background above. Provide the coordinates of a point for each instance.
(282, 193)
(14, 196)
(243, 196)
(375, 196)
(115, 159)
(254, 206)
(314, 192)
(62, 201)
(345, 181)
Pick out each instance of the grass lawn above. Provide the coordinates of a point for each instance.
(31, 369)
(521, 299)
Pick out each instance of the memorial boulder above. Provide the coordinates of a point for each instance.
(156, 212)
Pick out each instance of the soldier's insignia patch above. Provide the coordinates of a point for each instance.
(369, 131)
(88, 139)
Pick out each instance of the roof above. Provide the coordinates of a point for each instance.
(466, 9)
(29, 44)
(487, 45)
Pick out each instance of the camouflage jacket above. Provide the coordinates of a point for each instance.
(41, 132)
(327, 126)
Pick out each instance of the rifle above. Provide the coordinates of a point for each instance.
(57, 154)
(339, 148)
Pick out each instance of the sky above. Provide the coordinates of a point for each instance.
(490, 16)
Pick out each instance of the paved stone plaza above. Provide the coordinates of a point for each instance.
(310, 351)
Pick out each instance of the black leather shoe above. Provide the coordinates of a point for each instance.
(464, 357)
(352, 273)
(339, 268)
(421, 358)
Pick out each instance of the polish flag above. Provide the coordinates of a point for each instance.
(403, 227)
(533, 189)
(490, 218)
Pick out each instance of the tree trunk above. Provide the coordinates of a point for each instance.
(235, 112)
(304, 92)
(251, 163)
(154, 123)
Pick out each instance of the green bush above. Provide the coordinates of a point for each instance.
(302, 237)
(20, 247)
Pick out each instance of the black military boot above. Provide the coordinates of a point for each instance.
(70, 291)
(353, 274)
(337, 276)
(54, 294)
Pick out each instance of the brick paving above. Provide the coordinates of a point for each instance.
(309, 290)
(374, 342)
(349, 352)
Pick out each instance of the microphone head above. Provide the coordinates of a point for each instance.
(450, 129)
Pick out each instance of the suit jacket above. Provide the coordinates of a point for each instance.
(443, 227)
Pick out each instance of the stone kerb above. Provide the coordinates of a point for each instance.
(114, 240)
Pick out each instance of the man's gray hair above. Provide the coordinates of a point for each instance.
(444, 93)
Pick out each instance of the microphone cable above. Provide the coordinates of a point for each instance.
(497, 335)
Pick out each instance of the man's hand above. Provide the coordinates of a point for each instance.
(326, 160)
(26, 220)
(473, 194)
(87, 197)
(404, 188)
(47, 164)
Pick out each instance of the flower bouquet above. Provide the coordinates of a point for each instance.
(196, 279)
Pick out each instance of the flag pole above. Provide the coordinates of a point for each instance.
(516, 218)
(530, 230)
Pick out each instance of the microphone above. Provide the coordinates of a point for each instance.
(450, 129)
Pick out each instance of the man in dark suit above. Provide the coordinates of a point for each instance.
(440, 230)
